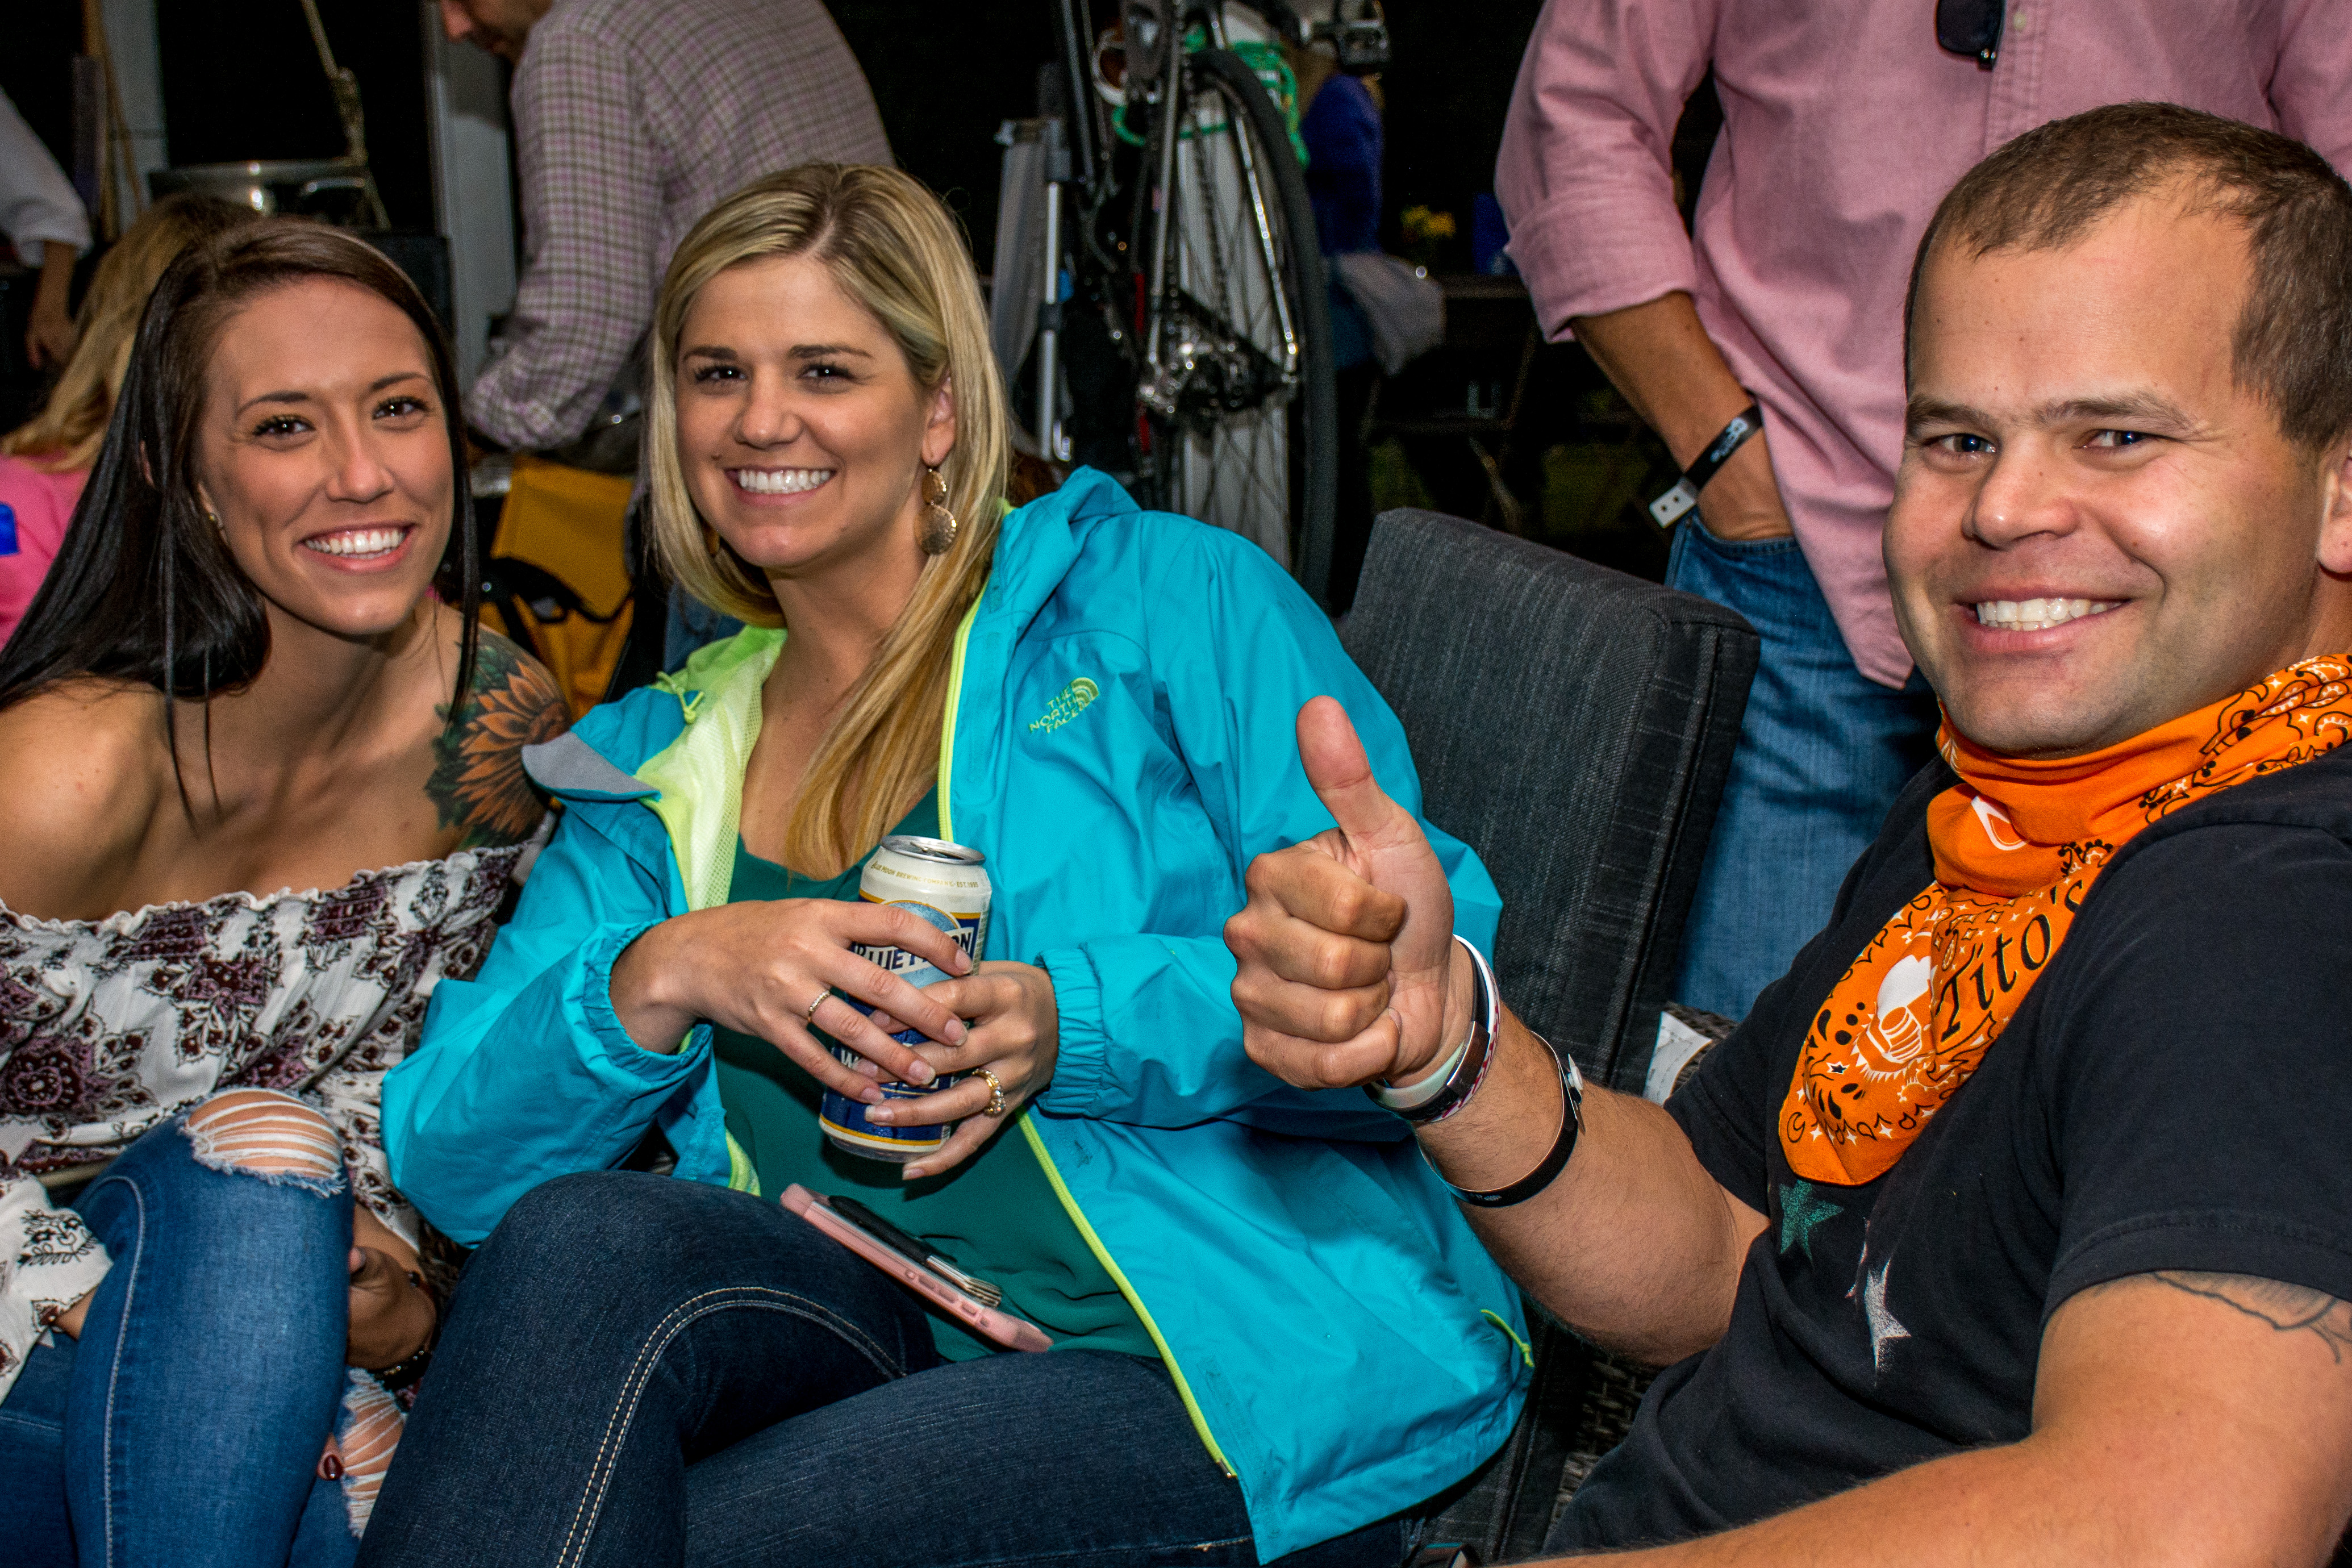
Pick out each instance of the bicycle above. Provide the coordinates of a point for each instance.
(1197, 362)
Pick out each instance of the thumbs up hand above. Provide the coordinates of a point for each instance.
(1348, 964)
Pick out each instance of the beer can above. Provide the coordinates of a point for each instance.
(947, 886)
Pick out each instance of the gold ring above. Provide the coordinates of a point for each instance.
(809, 1017)
(996, 1106)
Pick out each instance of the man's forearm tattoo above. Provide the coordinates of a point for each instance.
(2288, 1309)
(478, 782)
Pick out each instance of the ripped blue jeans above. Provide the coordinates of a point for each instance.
(185, 1425)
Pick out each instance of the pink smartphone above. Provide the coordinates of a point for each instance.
(997, 1328)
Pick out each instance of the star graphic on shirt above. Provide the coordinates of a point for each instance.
(1801, 1209)
(1885, 1329)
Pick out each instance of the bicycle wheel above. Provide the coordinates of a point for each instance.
(1241, 403)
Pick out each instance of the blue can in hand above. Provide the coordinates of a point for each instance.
(946, 886)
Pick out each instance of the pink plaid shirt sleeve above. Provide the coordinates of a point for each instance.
(586, 289)
(1843, 126)
(1585, 173)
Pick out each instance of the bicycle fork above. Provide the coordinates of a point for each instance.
(1055, 148)
(1171, 125)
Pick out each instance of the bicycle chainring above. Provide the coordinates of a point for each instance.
(1207, 371)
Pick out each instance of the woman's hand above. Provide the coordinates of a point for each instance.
(1016, 1032)
(756, 968)
(392, 1313)
(69, 1323)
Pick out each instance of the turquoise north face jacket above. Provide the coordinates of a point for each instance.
(1119, 741)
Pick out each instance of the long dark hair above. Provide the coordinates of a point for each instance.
(143, 588)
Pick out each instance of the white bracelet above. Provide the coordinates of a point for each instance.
(1412, 1097)
(1482, 1013)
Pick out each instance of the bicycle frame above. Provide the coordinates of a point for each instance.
(1168, 125)
(1167, 363)
(1191, 261)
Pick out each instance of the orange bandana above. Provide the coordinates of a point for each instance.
(2017, 845)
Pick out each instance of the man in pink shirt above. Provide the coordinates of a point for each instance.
(1845, 122)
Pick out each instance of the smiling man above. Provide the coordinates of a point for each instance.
(2015, 1224)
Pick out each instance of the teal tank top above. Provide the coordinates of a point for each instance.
(994, 1215)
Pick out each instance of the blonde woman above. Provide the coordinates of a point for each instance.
(1272, 1329)
(45, 461)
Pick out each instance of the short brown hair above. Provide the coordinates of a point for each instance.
(2293, 344)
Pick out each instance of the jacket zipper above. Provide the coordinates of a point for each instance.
(1038, 1145)
(1118, 1277)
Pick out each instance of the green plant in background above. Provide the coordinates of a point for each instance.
(1588, 488)
(1395, 482)
(1426, 235)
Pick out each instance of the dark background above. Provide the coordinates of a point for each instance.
(37, 74)
(241, 79)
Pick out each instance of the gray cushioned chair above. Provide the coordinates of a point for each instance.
(1574, 726)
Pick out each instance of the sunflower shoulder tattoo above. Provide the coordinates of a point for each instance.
(479, 784)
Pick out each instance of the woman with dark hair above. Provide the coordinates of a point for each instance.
(238, 682)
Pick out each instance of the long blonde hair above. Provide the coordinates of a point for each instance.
(66, 434)
(893, 248)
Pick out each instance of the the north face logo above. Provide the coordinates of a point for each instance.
(1073, 702)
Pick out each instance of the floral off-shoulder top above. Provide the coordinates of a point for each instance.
(108, 1026)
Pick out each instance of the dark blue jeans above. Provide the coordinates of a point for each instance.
(639, 1370)
(185, 1427)
(1823, 751)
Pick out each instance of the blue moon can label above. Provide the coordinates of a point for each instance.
(947, 886)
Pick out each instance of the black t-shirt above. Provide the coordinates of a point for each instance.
(2174, 1092)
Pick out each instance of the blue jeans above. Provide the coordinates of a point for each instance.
(1823, 751)
(184, 1426)
(641, 1371)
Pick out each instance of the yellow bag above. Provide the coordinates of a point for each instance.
(558, 581)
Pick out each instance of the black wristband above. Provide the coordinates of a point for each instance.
(1670, 507)
(1563, 1143)
(408, 1370)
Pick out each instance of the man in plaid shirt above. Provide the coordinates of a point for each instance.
(633, 118)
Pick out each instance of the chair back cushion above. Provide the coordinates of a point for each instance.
(1574, 726)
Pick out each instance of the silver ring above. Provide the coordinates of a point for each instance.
(996, 1106)
(809, 1017)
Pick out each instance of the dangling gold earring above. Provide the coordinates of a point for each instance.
(939, 524)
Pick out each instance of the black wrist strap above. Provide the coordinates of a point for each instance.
(1669, 508)
(409, 1370)
(1563, 1143)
